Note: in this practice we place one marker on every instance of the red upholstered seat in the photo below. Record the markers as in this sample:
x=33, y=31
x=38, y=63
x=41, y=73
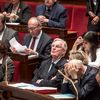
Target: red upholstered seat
x=69, y=12
x=16, y=77
x=79, y=19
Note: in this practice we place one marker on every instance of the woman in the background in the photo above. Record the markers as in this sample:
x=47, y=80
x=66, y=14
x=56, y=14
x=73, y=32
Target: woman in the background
x=89, y=43
x=17, y=11
x=4, y=59
x=93, y=11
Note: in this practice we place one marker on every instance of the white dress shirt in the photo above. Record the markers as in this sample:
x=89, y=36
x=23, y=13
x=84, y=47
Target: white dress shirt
x=95, y=63
x=2, y=33
x=36, y=41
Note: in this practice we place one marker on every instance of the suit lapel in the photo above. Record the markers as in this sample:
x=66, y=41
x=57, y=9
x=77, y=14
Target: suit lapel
x=52, y=11
x=40, y=43
x=5, y=36
x=86, y=76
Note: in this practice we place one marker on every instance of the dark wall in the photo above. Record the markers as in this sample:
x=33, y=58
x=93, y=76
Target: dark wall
x=81, y=2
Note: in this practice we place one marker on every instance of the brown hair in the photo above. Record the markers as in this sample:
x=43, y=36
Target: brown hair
x=79, y=55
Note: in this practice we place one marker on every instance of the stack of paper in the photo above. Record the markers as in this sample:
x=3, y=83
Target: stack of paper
x=63, y=96
x=18, y=47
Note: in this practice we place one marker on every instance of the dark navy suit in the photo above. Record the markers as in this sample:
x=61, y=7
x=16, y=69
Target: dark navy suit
x=58, y=15
x=90, y=7
x=44, y=45
x=42, y=73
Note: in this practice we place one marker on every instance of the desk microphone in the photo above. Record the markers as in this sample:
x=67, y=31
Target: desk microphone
x=5, y=82
x=67, y=78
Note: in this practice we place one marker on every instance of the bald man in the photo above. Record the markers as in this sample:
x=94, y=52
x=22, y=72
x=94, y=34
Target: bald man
x=36, y=41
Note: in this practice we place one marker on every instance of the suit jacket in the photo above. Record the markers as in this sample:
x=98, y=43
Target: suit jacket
x=42, y=73
x=8, y=34
x=24, y=12
x=10, y=69
x=90, y=7
x=58, y=15
x=87, y=86
x=44, y=46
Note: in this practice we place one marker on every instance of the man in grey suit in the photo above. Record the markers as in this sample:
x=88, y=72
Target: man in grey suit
x=6, y=33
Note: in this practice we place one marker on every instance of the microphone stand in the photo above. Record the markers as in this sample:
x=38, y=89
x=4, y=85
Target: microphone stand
x=5, y=82
x=67, y=78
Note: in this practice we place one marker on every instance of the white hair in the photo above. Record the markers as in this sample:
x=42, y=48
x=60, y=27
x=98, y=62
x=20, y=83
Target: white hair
x=64, y=44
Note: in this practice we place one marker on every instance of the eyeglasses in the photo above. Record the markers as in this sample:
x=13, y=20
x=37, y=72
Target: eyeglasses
x=32, y=28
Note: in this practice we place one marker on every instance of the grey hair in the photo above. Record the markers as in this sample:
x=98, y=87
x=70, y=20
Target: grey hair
x=64, y=44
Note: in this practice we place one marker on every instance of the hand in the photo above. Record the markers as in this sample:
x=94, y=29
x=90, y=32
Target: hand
x=72, y=70
x=98, y=78
x=41, y=18
x=30, y=51
x=13, y=49
x=38, y=81
x=77, y=43
x=91, y=14
x=95, y=20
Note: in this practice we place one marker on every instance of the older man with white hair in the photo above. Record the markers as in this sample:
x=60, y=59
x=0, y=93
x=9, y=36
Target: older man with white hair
x=47, y=72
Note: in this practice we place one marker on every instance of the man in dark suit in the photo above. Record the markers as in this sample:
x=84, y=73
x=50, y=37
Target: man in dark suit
x=6, y=33
x=37, y=42
x=52, y=14
x=93, y=11
x=47, y=73
x=17, y=11
x=83, y=77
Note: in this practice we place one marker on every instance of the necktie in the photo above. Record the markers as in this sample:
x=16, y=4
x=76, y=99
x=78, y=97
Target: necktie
x=52, y=65
x=33, y=43
x=47, y=13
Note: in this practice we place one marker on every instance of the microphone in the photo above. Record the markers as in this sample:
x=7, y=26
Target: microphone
x=5, y=82
x=67, y=78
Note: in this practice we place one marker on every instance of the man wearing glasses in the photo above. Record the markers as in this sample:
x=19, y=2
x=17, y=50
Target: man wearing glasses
x=36, y=41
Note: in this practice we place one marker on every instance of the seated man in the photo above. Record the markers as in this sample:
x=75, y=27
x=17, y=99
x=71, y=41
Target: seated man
x=83, y=77
x=52, y=14
x=6, y=33
x=46, y=75
x=4, y=59
x=37, y=41
x=17, y=11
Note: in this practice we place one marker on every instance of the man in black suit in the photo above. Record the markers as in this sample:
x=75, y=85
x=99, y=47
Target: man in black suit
x=93, y=11
x=52, y=14
x=17, y=11
x=47, y=73
x=6, y=33
x=83, y=77
x=37, y=42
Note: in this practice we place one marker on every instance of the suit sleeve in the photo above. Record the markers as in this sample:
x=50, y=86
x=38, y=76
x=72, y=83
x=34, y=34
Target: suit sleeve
x=87, y=88
x=46, y=51
x=53, y=83
x=62, y=20
x=26, y=14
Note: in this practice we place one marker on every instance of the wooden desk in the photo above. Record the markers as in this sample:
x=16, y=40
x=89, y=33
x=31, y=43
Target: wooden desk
x=49, y=30
x=68, y=36
x=27, y=66
x=12, y=93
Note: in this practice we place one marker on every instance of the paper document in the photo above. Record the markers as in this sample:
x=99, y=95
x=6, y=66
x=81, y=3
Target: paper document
x=31, y=87
x=12, y=23
x=19, y=48
x=62, y=96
